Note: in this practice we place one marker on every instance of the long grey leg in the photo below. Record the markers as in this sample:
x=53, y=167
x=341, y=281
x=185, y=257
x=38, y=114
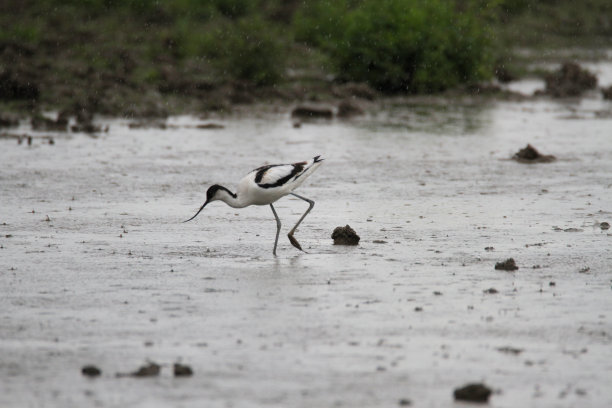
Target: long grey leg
x=290, y=235
x=278, y=227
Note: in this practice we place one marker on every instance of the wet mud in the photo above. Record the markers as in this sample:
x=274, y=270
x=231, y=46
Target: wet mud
x=97, y=268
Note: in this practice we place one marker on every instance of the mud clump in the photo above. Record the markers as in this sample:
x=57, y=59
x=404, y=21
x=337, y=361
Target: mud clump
x=149, y=370
x=569, y=80
x=473, y=393
x=312, y=112
x=345, y=236
x=507, y=265
x=91, y=371
x=181, y=370
x=530, y=154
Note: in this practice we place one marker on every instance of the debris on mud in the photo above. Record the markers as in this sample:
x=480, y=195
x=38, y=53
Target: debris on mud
x=182, y=370
x=604, y=225
x=586, y=269
x=345, y=236
x=491, y=291
x=489, y=249
x=347, y=109
x=149, y=124
x=510, y=350
x=312, y=112
x=473, y=392
x=571, y=229
x=507, y=265
x=379, y=241
x=530, y=154
x=149, y=370
x=210, y=126
x=91, y=371
x=405, y=402
x=569, y=80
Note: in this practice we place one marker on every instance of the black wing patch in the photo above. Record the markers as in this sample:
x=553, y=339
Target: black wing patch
x=297, y=169
x=262, y=170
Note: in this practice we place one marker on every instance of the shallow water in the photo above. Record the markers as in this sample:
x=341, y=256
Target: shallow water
x=113, y=278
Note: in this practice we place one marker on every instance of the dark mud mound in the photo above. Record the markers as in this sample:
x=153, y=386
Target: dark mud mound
x=530, y=154
x=473, y=393
x=345, y=236
x=507, y=265
x=570, y=80
x=149, y=370
x=348, y=108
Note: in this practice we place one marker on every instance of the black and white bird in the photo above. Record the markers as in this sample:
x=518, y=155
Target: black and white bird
x=265, y=185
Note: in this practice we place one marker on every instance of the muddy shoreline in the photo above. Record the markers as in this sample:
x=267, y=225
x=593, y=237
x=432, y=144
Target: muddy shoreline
x=96, y=268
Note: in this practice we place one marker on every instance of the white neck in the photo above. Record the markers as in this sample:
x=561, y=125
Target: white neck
x=234, y=202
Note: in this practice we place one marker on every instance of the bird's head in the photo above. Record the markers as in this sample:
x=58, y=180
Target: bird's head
x=214, y=193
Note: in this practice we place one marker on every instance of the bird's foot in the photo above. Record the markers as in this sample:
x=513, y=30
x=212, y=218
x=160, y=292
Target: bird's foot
x=295, y=243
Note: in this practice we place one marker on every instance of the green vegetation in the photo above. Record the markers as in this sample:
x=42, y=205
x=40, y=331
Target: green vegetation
x=111, y=53
x=416, y=46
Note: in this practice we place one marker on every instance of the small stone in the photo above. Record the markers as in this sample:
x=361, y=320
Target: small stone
x=604, y=225
x=181, y=370
x=491, y=291
x=91, y=371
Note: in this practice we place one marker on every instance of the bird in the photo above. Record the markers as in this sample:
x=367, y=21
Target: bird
x=265, y=185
